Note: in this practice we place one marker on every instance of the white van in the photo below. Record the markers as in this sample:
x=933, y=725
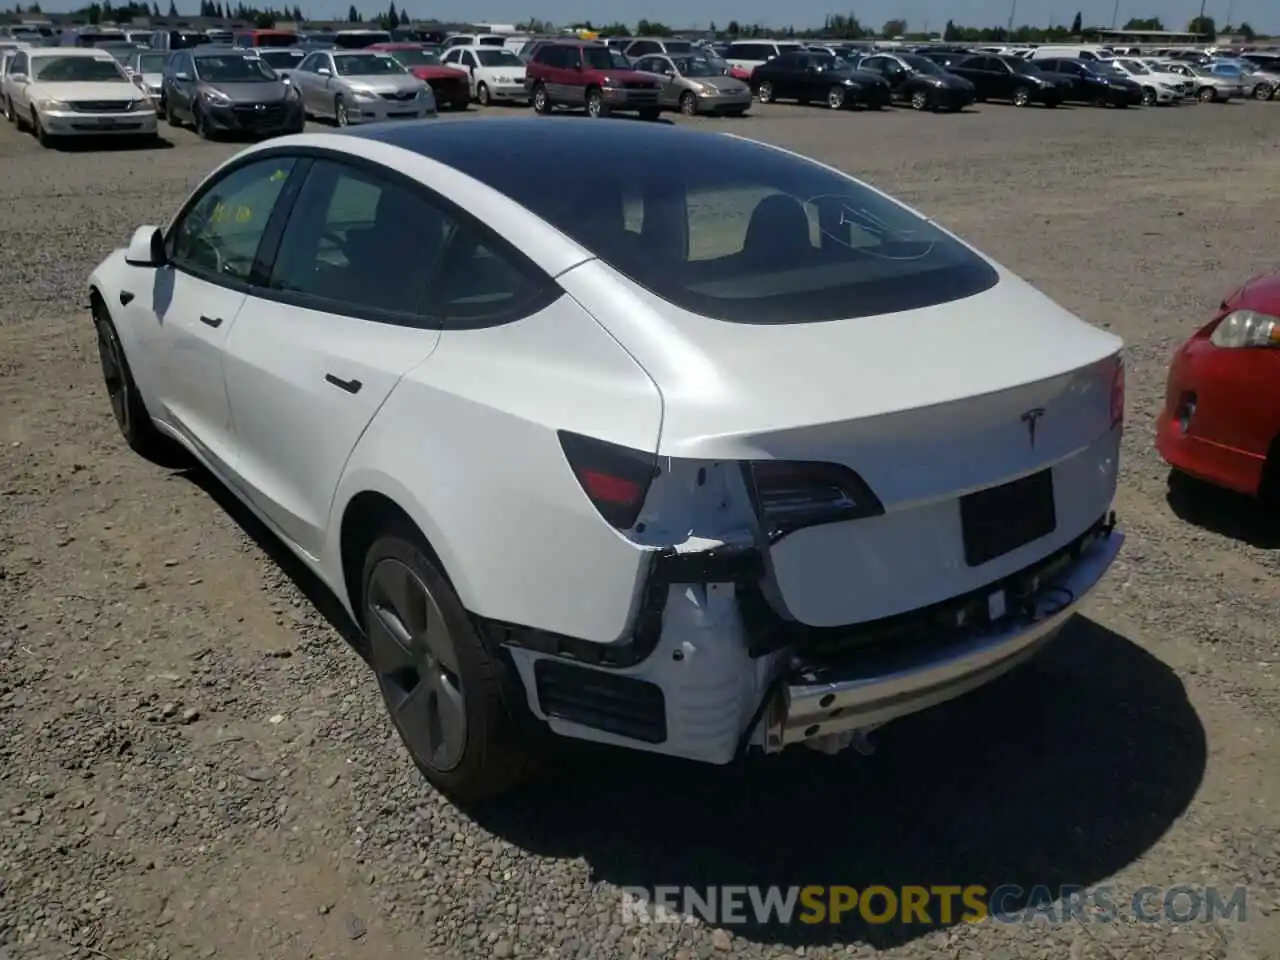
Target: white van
x=1079, y=51
x=749, y=54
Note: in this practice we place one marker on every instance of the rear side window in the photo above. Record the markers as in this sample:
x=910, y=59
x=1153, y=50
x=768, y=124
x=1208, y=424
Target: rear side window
x=739, y=231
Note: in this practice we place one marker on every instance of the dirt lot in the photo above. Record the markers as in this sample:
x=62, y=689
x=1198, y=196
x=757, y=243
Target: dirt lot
x=194, y=764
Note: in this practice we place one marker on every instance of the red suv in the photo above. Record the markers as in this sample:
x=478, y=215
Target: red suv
x=586, y=74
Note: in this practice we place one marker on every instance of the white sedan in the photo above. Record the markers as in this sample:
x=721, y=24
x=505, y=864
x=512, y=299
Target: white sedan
x=65, y=92
x=742, y=454
x=496, y=75
x=1158, y=87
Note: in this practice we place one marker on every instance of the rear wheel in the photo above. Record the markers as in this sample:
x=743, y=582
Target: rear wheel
x=919, y=100
x=764, y=92
x=450, y=696
x=1148, y=96
x=340, y=114
x=835, y=98
x=1208, y=94
x=1262, y=91
x=1021, y=97
x=482, y=94
x=541, y=99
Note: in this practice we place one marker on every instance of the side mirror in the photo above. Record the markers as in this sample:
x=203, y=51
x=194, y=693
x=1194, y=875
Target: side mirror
x=146, y=248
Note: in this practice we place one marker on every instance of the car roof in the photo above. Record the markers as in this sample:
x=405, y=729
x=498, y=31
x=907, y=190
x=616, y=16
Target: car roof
x=90, y=52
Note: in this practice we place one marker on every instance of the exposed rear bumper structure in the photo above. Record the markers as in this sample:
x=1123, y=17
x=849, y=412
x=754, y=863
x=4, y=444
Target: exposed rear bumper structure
x=868, y=688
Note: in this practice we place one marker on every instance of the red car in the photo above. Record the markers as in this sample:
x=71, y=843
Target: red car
x=452, y=88
x=1221, y=417
x=739, y=73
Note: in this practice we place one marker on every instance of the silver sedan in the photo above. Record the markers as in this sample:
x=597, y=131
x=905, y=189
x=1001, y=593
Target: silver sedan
x=360, y=86
x=693, y=86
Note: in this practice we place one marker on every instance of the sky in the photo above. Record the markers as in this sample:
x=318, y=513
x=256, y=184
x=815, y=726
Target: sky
x=921, y=15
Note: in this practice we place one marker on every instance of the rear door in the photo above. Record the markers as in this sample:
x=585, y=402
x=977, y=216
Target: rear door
x=315, y=354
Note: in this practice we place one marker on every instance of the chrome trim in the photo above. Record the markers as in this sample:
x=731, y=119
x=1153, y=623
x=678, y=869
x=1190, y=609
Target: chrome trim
x=808, y=707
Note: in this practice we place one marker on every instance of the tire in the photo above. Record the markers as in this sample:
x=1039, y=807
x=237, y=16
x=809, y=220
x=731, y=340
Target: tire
x=1262, y=91
x=340, y=115
x=482, y=94
x=541, y=100
x=836, y=98
x=452, y=698
x=1207, y=95
x=8, y=110
x=127, y=406
x=919, y=100
x=764, y=92
x=688, y=104
x=596, y=107
x=1022, y=97
x=171, y=117
x=42, y=135
x=1148, y=96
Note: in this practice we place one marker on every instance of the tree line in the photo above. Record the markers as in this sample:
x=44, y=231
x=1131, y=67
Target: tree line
x=838, y=26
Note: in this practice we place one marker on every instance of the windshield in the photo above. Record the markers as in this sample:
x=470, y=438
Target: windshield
x=695, y=67
x=275, y=40
x=733, y=230
x=122, y=52
x=282, y=59
x=1228, y=68
x=76, y=70
x=1133, y=66
x=923, y=64
x=598, y=58
x=233, y=69
x=152, y=62
x=416, y=58
x=498, y=58
x=366, y=65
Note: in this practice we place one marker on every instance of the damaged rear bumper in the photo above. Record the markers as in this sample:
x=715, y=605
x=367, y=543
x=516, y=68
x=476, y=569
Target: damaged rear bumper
x=868, y=688
x=710, y=670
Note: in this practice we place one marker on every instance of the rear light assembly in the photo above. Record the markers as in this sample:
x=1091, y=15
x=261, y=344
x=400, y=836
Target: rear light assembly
x=1117, y=393
x=616, y=479
x=792, y=495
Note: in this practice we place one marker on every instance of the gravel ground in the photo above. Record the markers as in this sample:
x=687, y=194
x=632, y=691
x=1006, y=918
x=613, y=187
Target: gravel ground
x=194, y=764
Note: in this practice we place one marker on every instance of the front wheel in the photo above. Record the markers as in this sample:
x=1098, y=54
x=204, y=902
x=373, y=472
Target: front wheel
x=541, y=100
x=8, y=110
x=688, y=104
x=1148, y=96
x=595, y=104
x=919, y=100
x=1262, y=91
x=127, y=406
x=450, y=695
x=835, y=98
x=1208, y=95
x=341, y=116
x=201, y=124
x=1021, y=97
x=482, y=94
x=42, y=135
x=764, y=92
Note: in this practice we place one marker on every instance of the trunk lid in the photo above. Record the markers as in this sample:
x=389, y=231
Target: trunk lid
x=925, y=406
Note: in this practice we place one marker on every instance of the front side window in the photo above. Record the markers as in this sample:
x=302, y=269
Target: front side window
x=77, y=70
x=281, y=59
x=234, y=68
x=598, y=58
x=367, y=65
x=218, y=236
x=736, y=230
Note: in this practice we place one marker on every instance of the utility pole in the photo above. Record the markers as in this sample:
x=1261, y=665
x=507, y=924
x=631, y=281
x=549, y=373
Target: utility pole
x=1115, y=14
x=1013, y=8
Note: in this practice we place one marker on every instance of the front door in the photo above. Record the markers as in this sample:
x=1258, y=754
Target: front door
x=196, y=299
x=310, y=361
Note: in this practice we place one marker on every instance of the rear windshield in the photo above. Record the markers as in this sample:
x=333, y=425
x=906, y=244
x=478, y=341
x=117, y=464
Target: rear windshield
x=732, y=229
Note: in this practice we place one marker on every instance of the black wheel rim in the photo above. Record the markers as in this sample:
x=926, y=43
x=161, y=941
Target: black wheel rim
x=113, y=374
x=416, y=663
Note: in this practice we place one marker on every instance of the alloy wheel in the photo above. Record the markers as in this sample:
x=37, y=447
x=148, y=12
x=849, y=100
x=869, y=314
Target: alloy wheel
x=1262, y=92
x=688, y=104
x=595, y=104
x=112, y=362
x=1021, y=97
x=340, y=115
x=835, y=98
x=919, y=100
x=765, y=92
x=416, y=663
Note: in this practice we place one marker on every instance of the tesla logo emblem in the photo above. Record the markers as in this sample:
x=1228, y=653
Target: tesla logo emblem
x=1031, y=418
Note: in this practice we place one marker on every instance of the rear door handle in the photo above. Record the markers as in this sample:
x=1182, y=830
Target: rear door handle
x=351, y=386
x=211, y=321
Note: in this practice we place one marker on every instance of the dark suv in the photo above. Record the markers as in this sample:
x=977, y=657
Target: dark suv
x=585, y=74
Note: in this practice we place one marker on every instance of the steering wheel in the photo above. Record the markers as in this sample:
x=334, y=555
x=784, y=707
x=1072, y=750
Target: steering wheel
x=202, y=246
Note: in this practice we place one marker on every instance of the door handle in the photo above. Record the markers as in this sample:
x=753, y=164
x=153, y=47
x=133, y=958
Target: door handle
x=351, y=386
x=211, y=321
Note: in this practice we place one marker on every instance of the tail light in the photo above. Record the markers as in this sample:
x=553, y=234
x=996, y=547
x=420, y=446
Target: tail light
x=615, y=479
x=1117, y=394
x=792, y=495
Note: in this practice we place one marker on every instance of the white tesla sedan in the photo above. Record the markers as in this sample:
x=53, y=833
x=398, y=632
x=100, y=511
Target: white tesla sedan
x=743, y=453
